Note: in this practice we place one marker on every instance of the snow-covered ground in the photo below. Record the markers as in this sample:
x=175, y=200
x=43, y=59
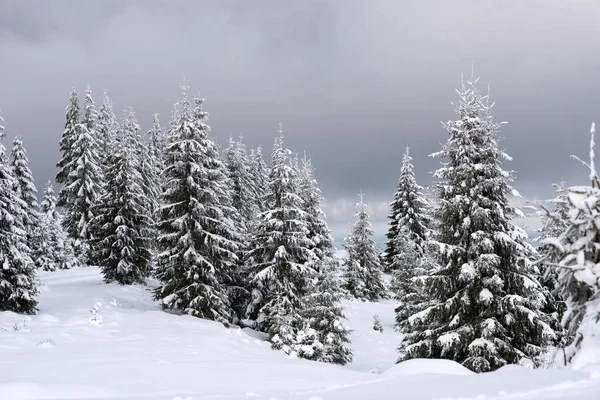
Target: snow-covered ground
x=136, y=351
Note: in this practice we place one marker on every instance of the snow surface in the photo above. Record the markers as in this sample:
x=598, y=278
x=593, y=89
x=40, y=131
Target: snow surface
x=131, y=349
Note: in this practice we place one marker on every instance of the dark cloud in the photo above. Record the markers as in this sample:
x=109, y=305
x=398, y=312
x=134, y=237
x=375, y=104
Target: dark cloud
x=352, y=81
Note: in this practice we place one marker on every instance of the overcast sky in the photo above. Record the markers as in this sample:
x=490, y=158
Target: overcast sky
x=353, y=82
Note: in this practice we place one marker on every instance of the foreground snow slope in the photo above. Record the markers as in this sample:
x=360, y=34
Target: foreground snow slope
x=141, y=352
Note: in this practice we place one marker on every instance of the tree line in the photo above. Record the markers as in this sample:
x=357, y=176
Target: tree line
x=234, y=240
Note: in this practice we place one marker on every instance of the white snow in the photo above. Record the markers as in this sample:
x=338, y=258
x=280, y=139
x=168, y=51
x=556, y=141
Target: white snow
x=140, y=352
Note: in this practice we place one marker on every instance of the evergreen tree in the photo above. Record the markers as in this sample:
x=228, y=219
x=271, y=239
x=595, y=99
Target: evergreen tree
x=409, y=212
x=68, y=137
x=362, y=270
x=412, y=265
x=25, y=189
x=122, y=225
x=156, y=160
x=17, y=274
x=80, y=174
x=324, y=315
x=574, y=258
x=486, y=303
x=281, y=260
x=107, y=128
x=197, y=240
x=318, y=231
x=260, y=173
x=242, y=182
x=54, y=250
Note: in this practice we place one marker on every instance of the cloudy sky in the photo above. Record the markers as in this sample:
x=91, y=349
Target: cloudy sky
x=353, y=82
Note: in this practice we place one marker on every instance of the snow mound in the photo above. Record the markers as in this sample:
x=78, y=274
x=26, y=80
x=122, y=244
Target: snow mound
x=426, y=366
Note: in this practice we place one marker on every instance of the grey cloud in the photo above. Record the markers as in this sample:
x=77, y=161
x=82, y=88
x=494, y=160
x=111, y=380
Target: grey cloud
x=352, y=81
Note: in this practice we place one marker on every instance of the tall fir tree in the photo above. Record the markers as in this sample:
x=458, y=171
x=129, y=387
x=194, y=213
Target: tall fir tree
x=408, y=212
x=54, y=250
x=573, y=258
x=280, y=260
x=106, y=130
x=318, y=231
x=362, y=270
x=68, y=137
x=156, y=145
x=242, y=182
x=324, y=315
x=486, y=311
x=197, y=240
x=80, y=173
x=122, y=225
x=25, y=189
x=260, y=173
x=18, y=288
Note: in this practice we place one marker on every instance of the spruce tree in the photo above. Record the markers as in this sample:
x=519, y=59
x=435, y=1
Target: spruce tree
x=156, y=145
x=281, y=260
x=486, y=302
x=25, y=189
x=260, y=173
x=242, y=181
x=362, y=270
x=197, y=240
x=574, y=258
x=54, y=250
x=122, y=224
x=80, y=174
x=18, y=289
x=106, y=130
x=324, y=315
x=409, y=212
x=318, y=231
x=68, y=137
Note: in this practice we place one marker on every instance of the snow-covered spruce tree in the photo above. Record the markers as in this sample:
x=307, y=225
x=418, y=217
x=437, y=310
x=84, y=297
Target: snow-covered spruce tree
x=260, y=173
x=486, y=304
x=80, y=173
x=413, y=264
x=243, y=193
x=280, y=259
x=323, y=320
x=409, y=213
x=156, y=145
x=17, y=274
x=54, y=250
x=318, y=231
x=122, y=234
x=25, y=189
x=106, y=130
x=575, y=258
x=68, y=137
x=197, y=241
x=362, y=269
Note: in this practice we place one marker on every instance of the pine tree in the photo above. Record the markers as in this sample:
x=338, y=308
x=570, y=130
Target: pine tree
x=281, y=261
x=573, y=256
x=54, y=250
x=325, y=337
x=17, y=274
x=240, y=175
x=363, y=273
x=197, y=240
x=409, y=212
x=486, y=303
x=122, y=225
x=25, y=189
x=318, y=231
x=80, y=174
